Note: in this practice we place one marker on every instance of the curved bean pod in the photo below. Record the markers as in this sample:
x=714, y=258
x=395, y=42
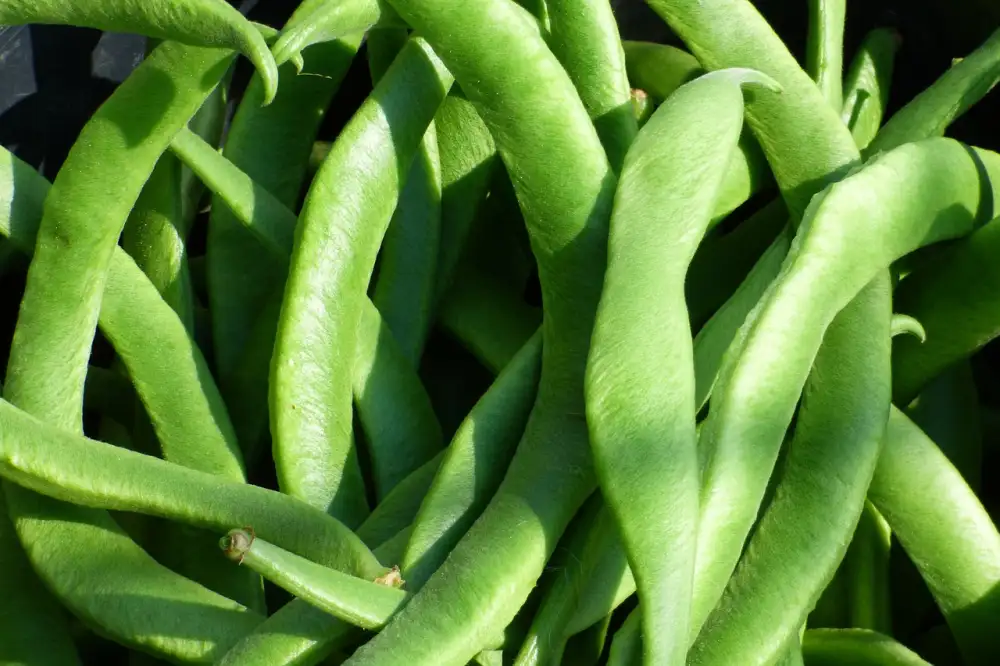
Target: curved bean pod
x=566, y=199
x=932, y=111
x=340, y=229
x=866, y=86
x=859, y=647
x=316, y=21
x=825, y=48
x=211, y=23
x=270, y=144
x=944, y=530
x=404, y=288
x=357, y=601
x=815, y=475
x=955, y=297
x=396, y=413
x=645, y=450
x=904, y=224
x=105, y=476
x=584, y=36
x=197, y=71
x=485, y=441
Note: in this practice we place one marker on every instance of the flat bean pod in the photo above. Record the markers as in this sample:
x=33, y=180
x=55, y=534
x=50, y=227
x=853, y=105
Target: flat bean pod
x=626, y=648
x=944, y=530
x=331, y=265
x=645, y=449
x=399, y=508
x=833, y=647
x=211, y=23
x=565, y=198
x=105, y=476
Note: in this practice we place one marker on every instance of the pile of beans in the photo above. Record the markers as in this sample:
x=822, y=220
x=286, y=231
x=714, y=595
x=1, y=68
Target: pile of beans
x=715, y=306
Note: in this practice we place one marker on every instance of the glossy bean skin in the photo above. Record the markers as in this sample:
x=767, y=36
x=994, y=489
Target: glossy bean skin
x=316, y=21
x=404, y=287
x=208, y=23
x=825, y=48
x=401, y=428
x=331, y=264
x=31, y=458
x=645, y=447
x=489, y=46
x=584, y=36
x=830, y=647
x=362, y=603
x=269, y=144
x=731, y=33
x=944, y=530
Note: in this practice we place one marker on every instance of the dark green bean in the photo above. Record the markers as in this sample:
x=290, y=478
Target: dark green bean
x=866, y=87
x=399, y=508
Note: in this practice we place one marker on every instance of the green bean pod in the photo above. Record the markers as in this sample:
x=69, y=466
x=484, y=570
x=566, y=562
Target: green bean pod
x=866, y=565
x=564, y=185
x=645, y=450
x=316, y=21
x=584, y=36
x=394, y=409
x=209, y=23
x=33, y=628
x=943, y=169
x=270, y=144
x=866, y=86
x=332, y=262
x=196, y=71
x=468, y=160
x=359, y=602
x=944, y=530
x=955, y=298
x=825, y=48
x=404, y=287
x=834, y=647
x=473, y=465
x=34, y=456
x=932, y=111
